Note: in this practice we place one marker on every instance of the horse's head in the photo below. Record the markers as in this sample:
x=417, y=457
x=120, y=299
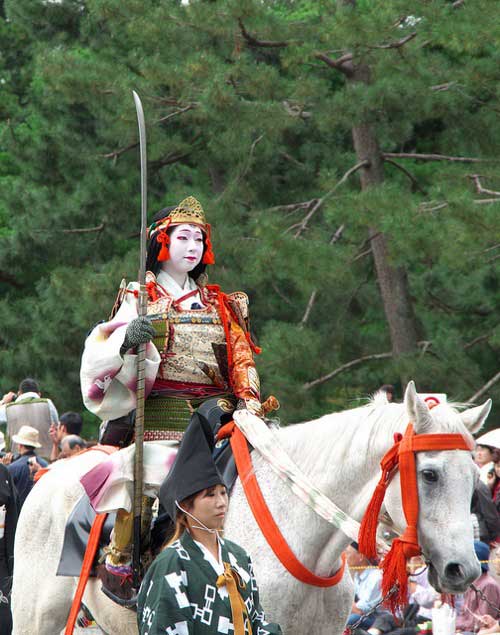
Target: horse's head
x=445, y=482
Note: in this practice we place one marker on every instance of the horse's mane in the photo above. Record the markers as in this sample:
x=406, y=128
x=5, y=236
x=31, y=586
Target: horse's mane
x=368, y=428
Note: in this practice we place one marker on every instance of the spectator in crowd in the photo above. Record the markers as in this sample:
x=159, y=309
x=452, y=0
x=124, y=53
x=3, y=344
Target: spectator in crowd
x=71, y=444
x=490, y=625
x=23, y=468
x=367, y=587
x=389, y=391
x=494, y=478
x=486, y=516
x=483, y=454
x=471, y=617
x=29, y=408
x=69, y=423
x=8, y=521
x=420, y=602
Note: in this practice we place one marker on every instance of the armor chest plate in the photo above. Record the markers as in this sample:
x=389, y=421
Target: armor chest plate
x=185, y=341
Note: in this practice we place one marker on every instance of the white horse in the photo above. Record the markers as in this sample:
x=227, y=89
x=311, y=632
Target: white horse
x=341, y=454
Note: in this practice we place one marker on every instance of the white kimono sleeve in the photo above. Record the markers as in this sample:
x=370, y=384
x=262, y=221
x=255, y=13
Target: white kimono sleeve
x=108, y=380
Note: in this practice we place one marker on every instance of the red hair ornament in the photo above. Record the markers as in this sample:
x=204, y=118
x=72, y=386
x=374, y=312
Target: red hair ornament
x=164, y=239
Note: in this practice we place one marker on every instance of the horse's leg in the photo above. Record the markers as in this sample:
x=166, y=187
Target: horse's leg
x=110, y=617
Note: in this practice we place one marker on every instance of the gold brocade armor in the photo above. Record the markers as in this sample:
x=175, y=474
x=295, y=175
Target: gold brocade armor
x=186, y=341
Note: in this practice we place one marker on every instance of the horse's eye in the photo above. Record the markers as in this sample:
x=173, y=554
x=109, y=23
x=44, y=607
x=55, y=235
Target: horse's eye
x=429, y=476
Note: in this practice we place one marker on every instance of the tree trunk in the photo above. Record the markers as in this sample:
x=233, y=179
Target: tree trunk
x=393, y=281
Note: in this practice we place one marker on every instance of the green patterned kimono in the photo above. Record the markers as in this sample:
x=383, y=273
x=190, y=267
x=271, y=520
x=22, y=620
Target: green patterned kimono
x=179, y=594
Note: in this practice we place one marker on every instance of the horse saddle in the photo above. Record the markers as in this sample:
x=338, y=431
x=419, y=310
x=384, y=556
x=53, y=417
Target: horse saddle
x=76, y=537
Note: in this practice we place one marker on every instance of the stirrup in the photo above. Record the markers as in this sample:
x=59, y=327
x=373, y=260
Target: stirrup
x=128, y=604
x=112, y=584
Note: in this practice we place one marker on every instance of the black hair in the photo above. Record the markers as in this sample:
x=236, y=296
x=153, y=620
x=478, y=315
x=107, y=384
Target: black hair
x=153, y=249
x=28, y=385
x=74, y=440
x=72, y=421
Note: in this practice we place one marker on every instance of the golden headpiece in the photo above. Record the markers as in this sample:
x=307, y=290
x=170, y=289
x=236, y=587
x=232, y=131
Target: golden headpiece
x=188, y=211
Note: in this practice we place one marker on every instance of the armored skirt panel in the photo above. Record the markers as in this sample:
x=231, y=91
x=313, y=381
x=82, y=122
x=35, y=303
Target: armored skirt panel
x=192, y=347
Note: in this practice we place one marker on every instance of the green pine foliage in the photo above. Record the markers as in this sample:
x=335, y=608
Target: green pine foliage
x=258, y=133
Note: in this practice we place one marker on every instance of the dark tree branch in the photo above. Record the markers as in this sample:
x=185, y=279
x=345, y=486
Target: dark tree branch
x=337, y=235
x=479, y=188
x=416, y=185
x=83, y=230
x=288, y=157
x=302, y=226
x=292, y=207
x=253, y=41
x=344, y=64
x=281, y=294
x=176, y=113
x=341, y=369
x=486, y=201
x=395, y=45
x=116, y=153
x=355, y=362
x=432, y=206
x=169, y=159
x=78, y=230
x=309, y=307
x=443, y=87
x=484, y=388
x=477, y=340
x=434, y=157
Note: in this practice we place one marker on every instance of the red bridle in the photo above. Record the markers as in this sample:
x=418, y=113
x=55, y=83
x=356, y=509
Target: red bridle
x=402, y=455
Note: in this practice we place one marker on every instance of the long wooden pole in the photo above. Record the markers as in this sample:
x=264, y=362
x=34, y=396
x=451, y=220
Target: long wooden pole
x=141, y=357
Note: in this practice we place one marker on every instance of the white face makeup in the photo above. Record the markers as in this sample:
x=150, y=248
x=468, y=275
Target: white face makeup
x=186, y=250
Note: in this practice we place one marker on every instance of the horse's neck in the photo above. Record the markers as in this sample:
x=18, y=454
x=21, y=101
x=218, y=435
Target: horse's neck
x=341, y=452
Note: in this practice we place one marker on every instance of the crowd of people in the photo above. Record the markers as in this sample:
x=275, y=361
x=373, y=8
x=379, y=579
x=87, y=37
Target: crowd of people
x=32, y=435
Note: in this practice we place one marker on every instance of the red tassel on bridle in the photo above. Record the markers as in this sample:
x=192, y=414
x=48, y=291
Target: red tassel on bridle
x=401, y=454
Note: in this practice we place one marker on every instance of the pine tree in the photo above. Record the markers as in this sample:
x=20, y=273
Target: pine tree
x=325, y=140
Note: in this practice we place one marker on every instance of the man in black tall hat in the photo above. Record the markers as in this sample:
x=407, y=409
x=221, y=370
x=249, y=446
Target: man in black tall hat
x=200, y=584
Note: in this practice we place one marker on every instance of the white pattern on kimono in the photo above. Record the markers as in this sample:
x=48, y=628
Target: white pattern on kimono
x=205, y=613
x=174, y=581
x=180, y=628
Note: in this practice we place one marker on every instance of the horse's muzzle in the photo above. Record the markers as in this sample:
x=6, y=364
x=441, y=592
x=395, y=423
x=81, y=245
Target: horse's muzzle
x=455, y=576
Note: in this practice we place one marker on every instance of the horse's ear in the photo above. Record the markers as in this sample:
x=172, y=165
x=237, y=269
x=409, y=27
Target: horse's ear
x=473, y=418
x=418, y=412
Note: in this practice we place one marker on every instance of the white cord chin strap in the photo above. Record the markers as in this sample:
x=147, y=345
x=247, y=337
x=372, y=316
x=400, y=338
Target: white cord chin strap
x=201, y=525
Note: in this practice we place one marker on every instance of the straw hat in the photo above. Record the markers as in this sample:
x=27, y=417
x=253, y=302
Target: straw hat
x=27, y=436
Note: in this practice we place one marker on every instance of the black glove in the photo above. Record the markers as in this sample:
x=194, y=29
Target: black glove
x=139, y=331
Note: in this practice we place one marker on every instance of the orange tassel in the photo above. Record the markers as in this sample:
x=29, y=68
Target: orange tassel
x=394, y=572
x=208, y=256
x=394, y=568
x=164, y=239
x=256, y=349
x=368, y=530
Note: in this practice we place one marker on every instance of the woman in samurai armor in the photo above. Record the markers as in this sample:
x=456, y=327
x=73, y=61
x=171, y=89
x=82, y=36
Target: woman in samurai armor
x=198, y=347
x=200, y=584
